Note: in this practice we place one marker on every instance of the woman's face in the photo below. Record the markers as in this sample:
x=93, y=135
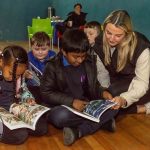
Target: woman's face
x=91, y=34
x=114, y=35
x=8, y=71
x=77, y=9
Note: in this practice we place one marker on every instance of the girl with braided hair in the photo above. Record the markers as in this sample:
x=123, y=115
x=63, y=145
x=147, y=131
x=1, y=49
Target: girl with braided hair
x=13, y=63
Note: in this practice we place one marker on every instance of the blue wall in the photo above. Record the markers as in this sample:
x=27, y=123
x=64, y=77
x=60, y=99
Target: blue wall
x=139, y=10
x=15, y=15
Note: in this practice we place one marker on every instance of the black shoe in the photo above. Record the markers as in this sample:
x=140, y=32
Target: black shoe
x=70, y=135
x=110, y=125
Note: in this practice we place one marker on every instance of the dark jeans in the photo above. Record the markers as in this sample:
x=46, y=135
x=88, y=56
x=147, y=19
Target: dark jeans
x=41, y=127
x=35, y=90
x=19, y=136
x=121, y=86
x=61, y=117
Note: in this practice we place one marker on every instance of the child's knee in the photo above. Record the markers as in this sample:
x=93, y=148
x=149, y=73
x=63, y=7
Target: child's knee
x=58, y=118
x=15, y=137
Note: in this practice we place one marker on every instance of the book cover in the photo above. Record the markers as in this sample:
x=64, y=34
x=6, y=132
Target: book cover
x=94, y=109
x=36, y=74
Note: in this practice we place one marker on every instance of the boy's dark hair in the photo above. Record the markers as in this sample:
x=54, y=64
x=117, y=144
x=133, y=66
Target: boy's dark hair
x=94, y=24
x=17, y=55
x=40, y=38
x=75, y=40
x=78, y=4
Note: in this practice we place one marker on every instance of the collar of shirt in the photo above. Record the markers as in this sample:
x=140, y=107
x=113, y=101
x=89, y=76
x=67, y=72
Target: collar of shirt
x=65, y=62
x=112, y=50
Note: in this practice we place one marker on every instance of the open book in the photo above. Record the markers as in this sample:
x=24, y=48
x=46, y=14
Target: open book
x=94, y=109
x=22, y=115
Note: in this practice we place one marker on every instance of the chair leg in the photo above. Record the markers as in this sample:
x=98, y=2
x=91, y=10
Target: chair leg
x=52, y=44
x=29, y=45
x=58, y=44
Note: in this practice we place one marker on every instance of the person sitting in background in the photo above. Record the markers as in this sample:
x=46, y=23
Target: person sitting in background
x=93, y=31
x=75, y=19
x=38, y=56
x=70, y=79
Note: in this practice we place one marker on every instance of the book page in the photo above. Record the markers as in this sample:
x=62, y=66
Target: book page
x=29, y=114
x=81, y=114
x=11, y=121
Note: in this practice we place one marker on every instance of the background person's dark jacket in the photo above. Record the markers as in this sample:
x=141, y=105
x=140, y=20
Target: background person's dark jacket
x=77, y=20
x=53, y=83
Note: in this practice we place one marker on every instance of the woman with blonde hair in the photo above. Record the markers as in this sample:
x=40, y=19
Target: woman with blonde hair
x=126, y=55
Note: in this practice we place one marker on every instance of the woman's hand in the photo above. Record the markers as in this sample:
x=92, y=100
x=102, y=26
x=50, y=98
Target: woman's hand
x=79, y=104
x=120, y=102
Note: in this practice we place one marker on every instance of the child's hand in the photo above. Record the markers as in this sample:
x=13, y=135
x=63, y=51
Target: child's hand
x=79, y=104
x=28, y=74
x=107, y=95
x=31, y=101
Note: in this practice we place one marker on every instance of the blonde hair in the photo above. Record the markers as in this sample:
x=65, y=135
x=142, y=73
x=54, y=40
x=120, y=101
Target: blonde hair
x=122, y=20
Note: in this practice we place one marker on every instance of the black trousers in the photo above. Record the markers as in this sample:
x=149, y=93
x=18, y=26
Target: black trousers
x=35, y=90
x=19, y=136
x=61, y=117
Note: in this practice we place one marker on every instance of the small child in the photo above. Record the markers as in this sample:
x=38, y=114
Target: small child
x=38, y=56
x=70, y=79
x=93, y=31
x=13, y=63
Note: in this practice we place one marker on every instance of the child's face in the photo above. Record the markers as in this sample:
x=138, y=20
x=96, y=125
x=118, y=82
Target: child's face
x=75, y=59
x=91, y=34
x=40, y=52
x=8, y=71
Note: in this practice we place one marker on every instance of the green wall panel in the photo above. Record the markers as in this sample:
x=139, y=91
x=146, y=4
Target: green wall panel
x=15, y=15
x=139, y=10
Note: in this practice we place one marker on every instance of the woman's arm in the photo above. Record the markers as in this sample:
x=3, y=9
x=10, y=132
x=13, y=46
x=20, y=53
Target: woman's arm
x=102, y=74
x=140, y=83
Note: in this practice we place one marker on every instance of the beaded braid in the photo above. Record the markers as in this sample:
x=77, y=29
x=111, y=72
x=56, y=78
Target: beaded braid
x=19, y=55
x=16, y=100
